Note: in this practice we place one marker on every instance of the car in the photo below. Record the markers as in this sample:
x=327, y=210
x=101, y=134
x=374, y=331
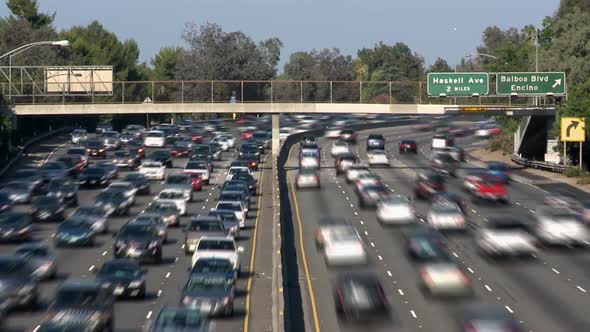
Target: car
x=153, y=170
x=34, y=177
x=471, y=176
x=111, y=170
x=125, y=159
x=211, y=294
x=216, y=151
x=377, y=158
x=560, y=226
x=339, y=148
x=307, y=178
x=395, y=209
x=345, y=161
x=370, y=194
x=440, y=274
x=359, y=296
x=456, y=152
x=309, y=160
x=180, y=149
x=220, y=267
x=96, y=148
x=238, y=185
x=101, y=128
x=428, y=184
x=113, y=202
x=348, y=135
x=179, y=319
x=17, y=279
x=40, y=258
x=63, y=189
x=484, y=318
x=224, y=142
x=327, y=225
x=353, y=172
x=95, y=216
x=489, y=188
x=126, y=137
x=487, y=131
x=308, y=140
x=74, y=165
x=181, y=181
x=80, y=152
x=152, y=219
x=232, y=196
x=423, y=127
x=136, y=130
x=198, y=167
x=263, y=139
x=127, y=188
x=78, y=136
x=16, y=226
x=375, y=142
x=251, y=159
x=499, y=169
x=343, y=246
x=137, y=147
x=442, y=140
x=218, y=247
x=19, y=191
x=444, y=163
x=451, y=197
x=6, y=204
x=47, y=208
x=249, y=148
x=203, y=149
x=175, y=196
x=201, y=226
x=238, y=207
x=139, y=181
x=54, y=169
x=446, y=216
x=124, y=276
x=248, y=179
x=333, y=132
x=155, y=138
x=168, y=211
x=162, y=156
x=506, y=236
x=236, y=169
x=112, y=143
x=75, y=231
x=423, y=242
x=83, y=301
x=139, y=241
x=229, y=220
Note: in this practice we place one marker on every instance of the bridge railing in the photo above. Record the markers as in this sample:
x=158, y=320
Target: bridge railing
x=276, y=91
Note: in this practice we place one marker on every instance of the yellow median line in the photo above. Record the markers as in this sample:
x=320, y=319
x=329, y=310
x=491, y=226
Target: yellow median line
x=303, y=256
x=253, y=253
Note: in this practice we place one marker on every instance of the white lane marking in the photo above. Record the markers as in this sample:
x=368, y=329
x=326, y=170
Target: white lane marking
x=372, y=244
x=207, y=200
x=488, y=288
x=413, y=314
x=380, y=258
x=52, y=152
x=389, y=273
x=580, y=288
x=517, y=203
x=366, y=233
x=149, y=314
x=182, y=246
x=455, y=254
x=509, y=309
x=159, y=292
x=473, y=211
x=91, y=268
x=533, y=212
x=351, y=205
x=167, y=275
x=347, y=198
x=400, y=291
x=37, y=328
x=104, y=253
x=362, y=222
x=554, y=270
x=471, y=270
x=356, y=213
x=344, y=192
x=203, y=207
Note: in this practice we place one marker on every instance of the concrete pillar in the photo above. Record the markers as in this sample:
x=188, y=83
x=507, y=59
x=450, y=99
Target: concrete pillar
x=276, y=140
x=277, y=325
x=520, y=132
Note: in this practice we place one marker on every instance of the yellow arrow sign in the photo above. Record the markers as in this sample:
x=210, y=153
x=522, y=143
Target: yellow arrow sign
x=573, y=130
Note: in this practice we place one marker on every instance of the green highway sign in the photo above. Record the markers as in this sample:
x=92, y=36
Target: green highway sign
x=458, y=84
x=527, y=84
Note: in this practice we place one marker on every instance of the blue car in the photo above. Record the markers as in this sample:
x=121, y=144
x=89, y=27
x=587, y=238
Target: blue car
x=501, y=170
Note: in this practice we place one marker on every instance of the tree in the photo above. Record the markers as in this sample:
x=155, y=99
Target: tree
x=164, y=64
x=440, y=66
x=29, y=11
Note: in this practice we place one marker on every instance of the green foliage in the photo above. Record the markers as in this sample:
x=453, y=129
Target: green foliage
x=503, y=142
x=164, y=64
x=440, y=66
x=585, y=180
x=29, y=11
x=574, y=172
x=392, y=63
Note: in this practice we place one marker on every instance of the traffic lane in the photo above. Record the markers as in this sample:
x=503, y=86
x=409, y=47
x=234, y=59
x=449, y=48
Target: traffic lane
x=507, y=278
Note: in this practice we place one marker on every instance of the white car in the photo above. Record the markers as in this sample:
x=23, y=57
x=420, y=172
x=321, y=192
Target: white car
x=222, y=141
x=198, y=167
x=353, y=172
x=339, y=148
x=155, y=138
x=218, y=247
x=307, y=178
x=236, y=169
x=153, y=170
x=79, y=135
x=395, y=209
x=309, y=159
x=366, y=179
x=445, y=278
x=446, y=216
x=377, y=157
x=238, y=208
x=560, y=226
x=505, y=236
x=173, y=195
x=344, y=246
x=332, y=132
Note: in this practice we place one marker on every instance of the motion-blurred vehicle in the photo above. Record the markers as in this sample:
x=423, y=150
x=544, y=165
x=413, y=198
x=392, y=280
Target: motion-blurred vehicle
x=500, y=169
x=17, y=279
x=230, y=222
x=354, y=171
x=218, y=247
x=220, y=267
x=136, y=130
x=483, y=318
x=137, y=146
x=175, y=196
x=96, y=148
x=248, y=179
x=74, y=165
x=423, y=242
x=79, y=136
x=75, y=231
x=47, y=208
x=182, y=182
x=236, y=185
x=239, y=209
x=456, y=152
x=127, y=188
x=211, y=294
x=198, y=167
x=113, y=202
x=308, y=140
x=488, y=187
x=95, y=216
x=168, y=211
x=360, y=297
x=345, y=161
x=155, y=138
x=6, y=204
x=216, y=151
x=369, y=195
x=339, y=148
x=162, y=156
x=446, y=197
x=139, y=241
x=34, y=177
x=234, y=170
x=444, y=163
x=40, y=258
x=506, y=236
x=139, y=181
x=487, y=130
x=19, y=191
x=200, y=226
x=428, y=184
x=440, y=275
x=377, y=158
x=109, y=167
x=375, y=142
x=225, y=143
x=83, y=301
x=54, y=169
x=307, y=178
x=252, y=160
x=343, y=246
x=446, y=216
x=181, y=319
x=231, y=196
x=309, y=160
x=408, y=145
x=126, y=160
x=442, y=140
x=101, y=128
x=16, y=226
x=79, y=151
x=65, y=190
x=112, y=143
x=181, y=149
x=395, y=209
x=560, y=226
x=348, y=135
x=124, y=276
x=153, y=170
x=423, y=127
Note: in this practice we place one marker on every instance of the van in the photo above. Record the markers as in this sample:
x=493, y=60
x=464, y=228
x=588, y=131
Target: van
x=440, y=141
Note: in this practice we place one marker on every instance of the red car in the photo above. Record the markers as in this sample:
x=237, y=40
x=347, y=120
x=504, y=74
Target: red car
x=179, y=151
x=197, y=182
x=489, y=187
x=246, y=135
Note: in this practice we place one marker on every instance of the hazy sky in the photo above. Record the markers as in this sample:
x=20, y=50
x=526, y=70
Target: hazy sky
x=432, y=28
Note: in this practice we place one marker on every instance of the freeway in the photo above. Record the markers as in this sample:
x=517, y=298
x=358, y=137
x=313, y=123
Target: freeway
x=545, y=293
x=165, y=281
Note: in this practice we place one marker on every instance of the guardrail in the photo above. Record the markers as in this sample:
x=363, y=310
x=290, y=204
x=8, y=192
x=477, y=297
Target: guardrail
x=551, y=167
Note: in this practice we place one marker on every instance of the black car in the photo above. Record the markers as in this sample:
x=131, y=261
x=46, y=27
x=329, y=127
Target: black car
x=248, y=179
x=428, y=184
x=211, y=293
x=204, y=150
x=47, y=208
x=101, y=128
x=237, y=185
x=137, y=146
x=6, y=203
x=371, y=194
x=17, y=279
x=230, y=222
x=96, y=148
x=249, y=148
x=74, y=165
x=32, y=176
x=124, y=276
x=138, y=241
x=54, y=169
x=162, y=156
x=201, y=226
x=425, y=243
x=375, y=142
x=360, y=296
x=239, y=163
x=84, y=301
x=113, y=202
x=252, y=160
x=16, y=226
x=94, y=177
x=126, y=159
x=490, y=317
x=75, y=231
x=139, y=182
x=109, y=167
x=263, y=139
x=66, y=190
x=172, y=319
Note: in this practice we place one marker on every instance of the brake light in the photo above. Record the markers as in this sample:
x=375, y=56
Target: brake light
x=465, y=278
x=426, y=276
x=316, y=178
x=468, y=327
x=140, y=150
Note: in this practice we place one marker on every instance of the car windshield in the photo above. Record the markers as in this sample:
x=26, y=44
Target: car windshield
x=446, y=208
x=135, y=177
x=79, y=132
x=508, y=225
x=176, y=179
x=229, y=206
x=122, y=154
x=95, y=171
x=25, y=174
x=212, y=266
x=171, y=195
x=13, y=218
x=182, y=320
x=230, y=197
x=155, y=134
x=90, y=211
x=237, y=170
x=196, y=284
x=79, y=297
x=94, y=144
x=119, y=270
x=108, y=196
x=161, y=154
x=196, y=165
x=151, y=165
x=137, y=231
x=161, y=207
x=203, y=225
x=14, y=267
x=216, y=245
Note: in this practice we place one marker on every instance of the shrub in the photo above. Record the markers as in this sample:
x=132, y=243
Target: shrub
x=574, y=172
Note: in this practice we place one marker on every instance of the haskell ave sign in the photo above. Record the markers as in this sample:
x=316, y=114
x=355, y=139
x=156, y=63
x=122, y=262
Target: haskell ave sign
x=530, y=83
x=458, y=84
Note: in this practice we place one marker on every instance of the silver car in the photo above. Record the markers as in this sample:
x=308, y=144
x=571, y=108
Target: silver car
x=41, y=259
x=560, y=226
x=506, y=236
x=446, y=216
